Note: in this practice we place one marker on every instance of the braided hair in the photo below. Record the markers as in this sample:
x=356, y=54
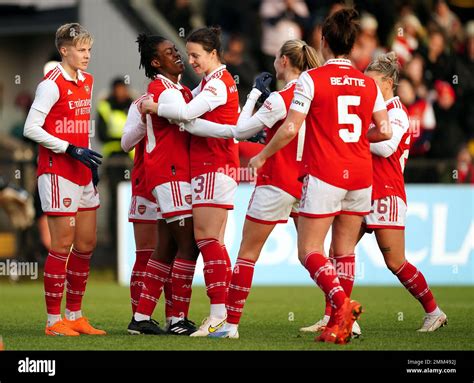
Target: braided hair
x=147, y=48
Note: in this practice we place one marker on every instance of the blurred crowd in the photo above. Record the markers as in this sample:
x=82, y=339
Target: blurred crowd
x=433, y=41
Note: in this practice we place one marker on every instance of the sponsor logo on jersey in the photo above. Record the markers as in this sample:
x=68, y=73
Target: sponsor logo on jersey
x=211, y=89
x=268, y=105
x=87, y=89
x=67, y=202
x=141, y=209
x=346, y=80
x=69, y=92
x=382, y=219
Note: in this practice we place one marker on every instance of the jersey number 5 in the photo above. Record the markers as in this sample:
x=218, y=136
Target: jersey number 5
x=344, y=117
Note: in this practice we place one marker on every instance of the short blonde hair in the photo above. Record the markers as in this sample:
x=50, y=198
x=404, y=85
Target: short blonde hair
x=72, y=34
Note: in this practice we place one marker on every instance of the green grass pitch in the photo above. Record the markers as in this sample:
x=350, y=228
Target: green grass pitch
x=271, y=320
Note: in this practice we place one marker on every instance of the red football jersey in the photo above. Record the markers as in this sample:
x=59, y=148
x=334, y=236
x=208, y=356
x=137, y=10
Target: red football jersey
x=167, y=146
x=282, y=169
x=341, y=103
x=213, y=154
x=388, y=172
x=69, y=120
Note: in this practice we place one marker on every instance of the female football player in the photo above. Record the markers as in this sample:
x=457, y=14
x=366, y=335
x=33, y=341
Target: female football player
x=167, y=169
x=388, y=212
x=338, y=103
x=214, y=163
x=67, y=178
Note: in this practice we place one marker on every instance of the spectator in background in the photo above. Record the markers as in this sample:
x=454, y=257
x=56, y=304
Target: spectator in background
x=177, y=12
x=464, y=167
x=445, y=19
x=282, y=20
x=438, y=63
x=240, y=65
x=366, y=43
x=414, y=70
x=408, y=33
x=448, y=135
x=421, y=115
x=111, y=117
x=465, y=87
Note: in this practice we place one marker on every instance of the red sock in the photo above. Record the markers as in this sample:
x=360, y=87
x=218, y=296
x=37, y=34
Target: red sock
x=215, y=269
x=77, y=269
x=323, y=273
x=54, y=278
x=138, y=275
x=328, y=308
x=229, y=267
x=182, y=276
x=168, y=290
x=345, y=269
x=239, y=289
x=156, y=275
x=415, y=283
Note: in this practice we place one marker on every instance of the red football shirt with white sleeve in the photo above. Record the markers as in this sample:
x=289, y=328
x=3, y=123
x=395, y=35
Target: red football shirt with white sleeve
x=67, y=104
x=388, y=171
x=213, y=154
x=281, y=169
x=167, y=146
x=339, y=101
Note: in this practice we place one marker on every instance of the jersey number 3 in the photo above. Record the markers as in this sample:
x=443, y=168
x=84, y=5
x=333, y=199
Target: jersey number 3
x=344, y=117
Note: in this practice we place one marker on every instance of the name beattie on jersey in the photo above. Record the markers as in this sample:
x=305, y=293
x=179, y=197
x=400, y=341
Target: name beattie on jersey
x=346, y=80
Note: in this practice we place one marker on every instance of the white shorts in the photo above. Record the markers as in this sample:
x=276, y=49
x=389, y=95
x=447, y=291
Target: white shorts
x=320, y=199
x=174, y=200
x=59, y=196
x=270, y=205
x=386, y=213
x=143, y=210
x=213, y=189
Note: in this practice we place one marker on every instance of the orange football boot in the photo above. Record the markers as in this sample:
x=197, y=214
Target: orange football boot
x=328, y=335
x=60, y=329
x=82, y=326
x=345, y=317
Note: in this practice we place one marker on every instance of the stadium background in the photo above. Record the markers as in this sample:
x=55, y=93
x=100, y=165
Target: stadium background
x=435, y=42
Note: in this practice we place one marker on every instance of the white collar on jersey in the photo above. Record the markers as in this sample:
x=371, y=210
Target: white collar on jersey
x=339, y=62
x=177, y=84
x=206, y=78
x=66, y=76
x=391, y=100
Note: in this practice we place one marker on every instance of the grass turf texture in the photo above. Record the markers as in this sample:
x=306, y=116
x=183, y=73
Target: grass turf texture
x=271, y=320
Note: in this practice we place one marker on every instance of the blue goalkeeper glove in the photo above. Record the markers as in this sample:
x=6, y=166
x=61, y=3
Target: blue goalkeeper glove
x=262, y=83
x=86, y=156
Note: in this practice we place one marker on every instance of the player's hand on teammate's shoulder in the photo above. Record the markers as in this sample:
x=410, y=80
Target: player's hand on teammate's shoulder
x=87, y=156
x=147, y=105
x=262, y=83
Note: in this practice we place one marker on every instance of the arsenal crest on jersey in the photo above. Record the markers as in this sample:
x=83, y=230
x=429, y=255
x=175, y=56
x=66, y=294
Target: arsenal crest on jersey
x=87, y=89
x=141, y=209
x=67, y=202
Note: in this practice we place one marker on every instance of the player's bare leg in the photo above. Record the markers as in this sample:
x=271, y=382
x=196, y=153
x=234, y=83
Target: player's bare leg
x=78, y=267
x=62, y=237
x=208, y=229
x=392, y=245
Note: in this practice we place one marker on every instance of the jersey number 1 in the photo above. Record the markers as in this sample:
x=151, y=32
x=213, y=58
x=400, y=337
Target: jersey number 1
x=344, y=117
